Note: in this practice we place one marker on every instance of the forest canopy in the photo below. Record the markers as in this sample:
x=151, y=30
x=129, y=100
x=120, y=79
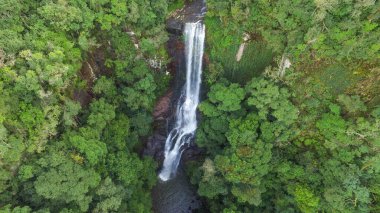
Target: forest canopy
x=72, y=86
x=306, y=140
x=78, y=89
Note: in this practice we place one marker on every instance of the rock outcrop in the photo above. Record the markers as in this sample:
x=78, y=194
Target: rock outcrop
x=162, y=108
x=192, y=12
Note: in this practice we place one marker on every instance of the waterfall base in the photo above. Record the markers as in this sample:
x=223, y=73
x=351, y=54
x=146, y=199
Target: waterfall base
x=175, y=195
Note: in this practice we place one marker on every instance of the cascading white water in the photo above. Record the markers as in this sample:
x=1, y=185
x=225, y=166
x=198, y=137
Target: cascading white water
x=186, y=121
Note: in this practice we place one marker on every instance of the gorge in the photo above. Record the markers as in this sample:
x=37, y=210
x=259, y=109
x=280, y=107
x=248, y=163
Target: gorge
x=186, y=121
x=177, y=124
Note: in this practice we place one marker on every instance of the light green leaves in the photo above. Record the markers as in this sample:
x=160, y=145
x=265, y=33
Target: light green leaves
x=94, y=150
x=101, y=113
x=305, y=199
x=227, y=98
x=111, y=196
x=61, y=16
x=71, y=109
x=333, y=127
x=352, y=104
x=269, y=99
x=65, y=181
x=140, y=92
x=243, y=132
x=105, y=87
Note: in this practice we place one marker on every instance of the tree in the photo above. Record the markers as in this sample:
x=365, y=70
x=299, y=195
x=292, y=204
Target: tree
x=228, y=98
x=101, y=114
x=305, y=199
x=94, y=150
x=70, y=111
x=141, y=87
x=52, y=150
x=110, y=196
x=61, y=179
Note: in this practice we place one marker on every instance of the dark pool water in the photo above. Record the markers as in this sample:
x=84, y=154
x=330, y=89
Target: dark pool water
x=175, y=196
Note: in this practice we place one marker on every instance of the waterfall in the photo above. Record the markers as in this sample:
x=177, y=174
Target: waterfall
x=186, y=121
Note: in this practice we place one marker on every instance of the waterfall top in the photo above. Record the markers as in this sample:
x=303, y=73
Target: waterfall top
x=191, y=13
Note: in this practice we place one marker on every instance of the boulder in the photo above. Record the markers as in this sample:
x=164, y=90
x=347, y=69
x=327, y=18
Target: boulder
x=162, y=107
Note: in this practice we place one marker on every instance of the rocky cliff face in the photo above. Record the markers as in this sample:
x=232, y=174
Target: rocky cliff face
x=164, y=110
x=193, y=11
x=176, y=195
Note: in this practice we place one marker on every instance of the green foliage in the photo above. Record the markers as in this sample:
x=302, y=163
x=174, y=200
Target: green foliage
x=336, y=78
x=117, y=132
x=70, y=111
x=269, y=98
x=224, y=44
x=111, y=196
x=212, y=132
x=332, y=127
x=25, y=172
x=93, y=150
x=66, y=181
x=239, y=131
x=105, y=87
x=134, y=173
x=141, y=89
x=305, y=199
x=9, y=209
x=286, y=153
x=140, y=123
x=58, y=135
x=344, y=31
x=210, y=186
x=310, y=146
x=175, y=5
x=307, y=144
x=352, y=104
x=256, y=57
x=227, y=98
x=101, y=114
x=61, y=16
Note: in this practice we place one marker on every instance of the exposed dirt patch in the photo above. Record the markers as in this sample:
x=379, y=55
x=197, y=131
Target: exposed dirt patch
x=369, y=87
x=91, y=69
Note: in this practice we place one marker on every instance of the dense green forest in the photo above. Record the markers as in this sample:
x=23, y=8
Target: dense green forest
x=70, y=133
x=307, y=141
x=77, y=93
